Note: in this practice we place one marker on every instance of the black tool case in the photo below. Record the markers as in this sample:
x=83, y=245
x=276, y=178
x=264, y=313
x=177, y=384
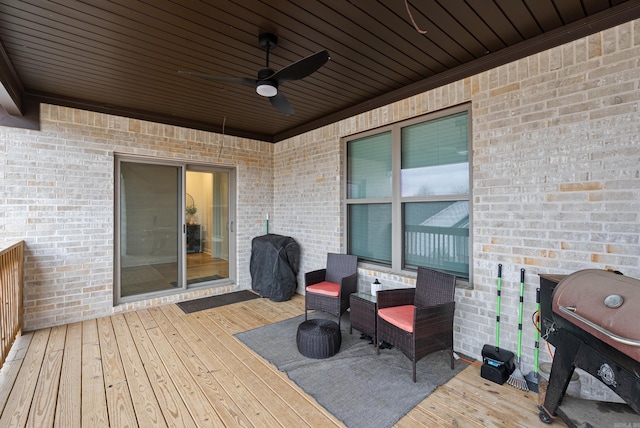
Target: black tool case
x=497, y=364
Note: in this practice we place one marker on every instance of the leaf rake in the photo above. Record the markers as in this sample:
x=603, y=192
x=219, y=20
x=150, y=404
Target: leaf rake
x=516, y=379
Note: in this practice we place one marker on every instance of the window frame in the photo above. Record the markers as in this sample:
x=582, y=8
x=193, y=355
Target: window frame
x=396, y=200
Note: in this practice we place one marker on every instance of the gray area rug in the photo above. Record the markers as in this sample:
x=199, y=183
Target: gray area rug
x=356, y=385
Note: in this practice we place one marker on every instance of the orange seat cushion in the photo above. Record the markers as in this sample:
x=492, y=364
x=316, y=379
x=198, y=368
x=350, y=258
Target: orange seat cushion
x=326, y=288
x=400, y=316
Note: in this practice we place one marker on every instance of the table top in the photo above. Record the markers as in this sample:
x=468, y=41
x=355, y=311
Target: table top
x=365, y=296
x=317, y=323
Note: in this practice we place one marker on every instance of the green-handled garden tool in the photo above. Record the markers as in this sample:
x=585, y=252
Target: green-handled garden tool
x=532, y=377
x=497, y=363
x=516, y=379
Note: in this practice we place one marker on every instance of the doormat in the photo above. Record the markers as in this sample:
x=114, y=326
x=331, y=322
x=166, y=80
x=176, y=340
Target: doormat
x=198, y=280
x=216, y=301
x=359, y=387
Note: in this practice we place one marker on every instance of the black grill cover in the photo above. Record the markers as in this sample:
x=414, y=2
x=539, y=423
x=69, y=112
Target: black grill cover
x=274, y=266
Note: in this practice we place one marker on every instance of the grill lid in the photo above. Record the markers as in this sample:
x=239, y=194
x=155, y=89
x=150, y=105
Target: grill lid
x=604, y=304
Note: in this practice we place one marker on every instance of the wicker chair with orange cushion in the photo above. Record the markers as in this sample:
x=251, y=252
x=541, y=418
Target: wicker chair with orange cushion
x=419, y=320
x=328, y=289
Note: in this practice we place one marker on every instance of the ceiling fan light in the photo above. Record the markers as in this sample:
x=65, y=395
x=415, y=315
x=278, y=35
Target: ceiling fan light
x=266, y=90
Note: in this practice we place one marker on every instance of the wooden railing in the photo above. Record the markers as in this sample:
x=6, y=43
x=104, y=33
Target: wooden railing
x=445, y=248
x=11, y=271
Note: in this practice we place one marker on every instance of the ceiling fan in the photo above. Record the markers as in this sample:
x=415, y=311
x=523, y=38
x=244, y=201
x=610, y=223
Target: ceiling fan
x=268, y=81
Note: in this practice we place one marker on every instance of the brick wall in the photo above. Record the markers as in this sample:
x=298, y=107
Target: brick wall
x=556, y=179
x=57, y=189
x=556, y=170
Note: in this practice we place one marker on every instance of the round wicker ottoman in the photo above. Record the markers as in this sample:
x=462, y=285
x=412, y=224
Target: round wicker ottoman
x=318, y=338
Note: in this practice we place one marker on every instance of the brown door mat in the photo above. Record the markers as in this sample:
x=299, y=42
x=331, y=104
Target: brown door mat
x=216, y=301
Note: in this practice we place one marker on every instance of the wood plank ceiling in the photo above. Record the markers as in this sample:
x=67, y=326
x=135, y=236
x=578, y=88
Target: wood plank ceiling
x=123, y=56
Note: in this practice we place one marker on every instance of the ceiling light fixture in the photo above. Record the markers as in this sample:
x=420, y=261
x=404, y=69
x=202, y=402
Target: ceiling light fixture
x=266, y=89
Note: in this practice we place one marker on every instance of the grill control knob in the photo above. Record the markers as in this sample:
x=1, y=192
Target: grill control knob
x=613, y=301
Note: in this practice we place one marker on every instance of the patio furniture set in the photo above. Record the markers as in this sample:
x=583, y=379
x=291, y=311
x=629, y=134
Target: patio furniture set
x=418, y=321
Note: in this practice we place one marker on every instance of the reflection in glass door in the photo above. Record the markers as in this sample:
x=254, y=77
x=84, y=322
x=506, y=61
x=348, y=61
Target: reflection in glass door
x=207, y=234
x=148, y=243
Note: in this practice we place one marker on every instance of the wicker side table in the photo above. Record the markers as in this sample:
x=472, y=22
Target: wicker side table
x=363, y=313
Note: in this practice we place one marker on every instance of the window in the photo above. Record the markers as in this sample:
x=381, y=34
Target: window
x=407, y=195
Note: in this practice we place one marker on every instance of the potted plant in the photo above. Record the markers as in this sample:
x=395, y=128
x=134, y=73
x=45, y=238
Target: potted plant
x=191, y=214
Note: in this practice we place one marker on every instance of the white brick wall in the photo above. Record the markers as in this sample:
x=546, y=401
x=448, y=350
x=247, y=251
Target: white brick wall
x=556, y=179
x=307, y=206
x=556, y=186
x=57, y=194
x=556, y=169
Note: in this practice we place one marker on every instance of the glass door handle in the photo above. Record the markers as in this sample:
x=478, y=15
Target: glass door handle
x=231, y=227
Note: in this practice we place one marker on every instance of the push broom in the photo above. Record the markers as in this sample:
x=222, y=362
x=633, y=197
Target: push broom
x=516, y=379
x=532, y=377
x=499, y=298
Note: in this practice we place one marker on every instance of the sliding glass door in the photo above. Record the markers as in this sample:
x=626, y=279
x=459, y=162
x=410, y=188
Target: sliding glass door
x=174, y=228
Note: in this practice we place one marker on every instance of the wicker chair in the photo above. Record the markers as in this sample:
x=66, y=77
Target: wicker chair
x=328, y=289
x=418, y=321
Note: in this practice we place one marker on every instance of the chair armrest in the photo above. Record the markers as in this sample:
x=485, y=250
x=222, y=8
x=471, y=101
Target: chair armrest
x=349, y=284
x=395, y=297
x=314, y=277
x=438, y=317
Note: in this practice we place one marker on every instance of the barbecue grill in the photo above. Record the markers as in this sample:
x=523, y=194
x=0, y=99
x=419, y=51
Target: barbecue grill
x=592, y=317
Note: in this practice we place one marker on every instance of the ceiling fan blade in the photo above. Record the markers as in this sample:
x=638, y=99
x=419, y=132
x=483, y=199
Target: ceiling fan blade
x=240, y=80
x=280, y=102
x=301, y=68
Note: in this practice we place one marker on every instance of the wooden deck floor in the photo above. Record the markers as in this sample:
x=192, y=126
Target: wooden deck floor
x=159, y=367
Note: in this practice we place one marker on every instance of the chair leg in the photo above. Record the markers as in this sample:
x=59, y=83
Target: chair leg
x=452, y=359
x=305, y=314
x=414, y=371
